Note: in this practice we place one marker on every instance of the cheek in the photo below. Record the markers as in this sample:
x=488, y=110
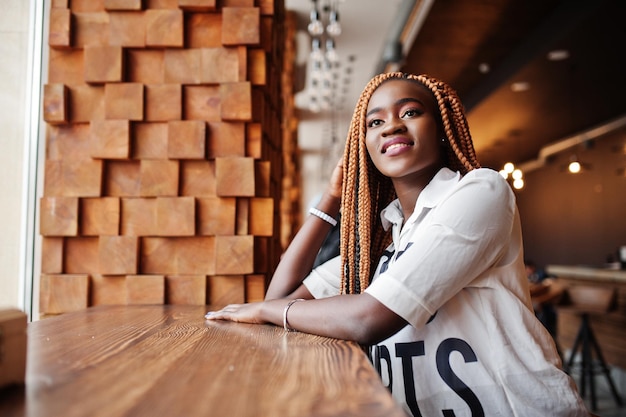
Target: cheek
x=430, y=136
x=370, y=145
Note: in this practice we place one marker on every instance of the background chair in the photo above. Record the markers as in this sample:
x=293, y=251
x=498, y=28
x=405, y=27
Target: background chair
x=586, y=301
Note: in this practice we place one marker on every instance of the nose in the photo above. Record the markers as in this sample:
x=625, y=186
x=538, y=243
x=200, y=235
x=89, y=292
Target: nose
x=394, y=126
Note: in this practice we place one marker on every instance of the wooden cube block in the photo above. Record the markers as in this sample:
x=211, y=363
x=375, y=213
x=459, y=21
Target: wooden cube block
x=86, y=103
x=52, y=255
x=266, y=6
x=122, y=4
x=59, y=34
x=254, y=140
x=257, y=66
x=197, y=5
x=236, y=101
x=243, y=217
x=66, y=66
x=59, y=4
x=59, y=216
x=262, y=256
x=85, y=6
x=178, y=255
x=241, y=25
x=127, y=29
x=150, y=140
x=220, y=65
x=161, y=4
x=145, y=66
x=202, y=103
x=110, y=139
x=176, y=216
x=182, y=66
x=263, y=181
x=216, y=216
x=55, y=103
x=237, y=3
x=99, y=216
x=63, y=293
x=164, y=102
x=267, y=34
x=164, y=28
x=138, y=217
x=158, y=255
x=195, y=255
x=91, y=28
x=235, y=177
x=185, y=289
x=255, y=288
x=81, y=255
x=226, y=139
x=53, y=178
x=243, y=62
x=145, y=289
x=80, y=178
x=259, y=106
x=108, y=290
x=186, y=139
x=123, y=101
x=159, y=178
x=234, y=255
x=261, y=221
x=63, y=178
x=224, y=290
x=198, y=178
x=203, y=30
x=119, y=255
x=123, y=179
x=103, y=64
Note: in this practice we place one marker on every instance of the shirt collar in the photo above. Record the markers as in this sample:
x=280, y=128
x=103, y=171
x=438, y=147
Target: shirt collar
x=430, y=196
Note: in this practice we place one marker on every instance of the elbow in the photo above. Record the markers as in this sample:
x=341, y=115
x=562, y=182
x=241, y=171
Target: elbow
x=368, y=335
x=374, y=322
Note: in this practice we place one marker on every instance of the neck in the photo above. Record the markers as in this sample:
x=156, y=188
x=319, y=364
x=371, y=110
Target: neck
x=409, y=189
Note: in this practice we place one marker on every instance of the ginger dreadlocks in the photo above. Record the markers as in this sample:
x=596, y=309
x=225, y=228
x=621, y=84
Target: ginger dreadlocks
x=366, y=191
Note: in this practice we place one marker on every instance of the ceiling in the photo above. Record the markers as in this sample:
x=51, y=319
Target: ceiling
x=486, y=50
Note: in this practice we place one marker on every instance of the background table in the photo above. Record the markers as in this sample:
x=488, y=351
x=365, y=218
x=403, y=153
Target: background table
x=169, y=361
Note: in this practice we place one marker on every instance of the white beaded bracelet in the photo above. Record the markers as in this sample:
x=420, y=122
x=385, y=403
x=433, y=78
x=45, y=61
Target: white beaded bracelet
x=285, y=311
x=323, y=216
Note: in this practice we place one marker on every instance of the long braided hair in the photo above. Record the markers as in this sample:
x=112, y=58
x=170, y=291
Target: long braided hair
x=365, y=191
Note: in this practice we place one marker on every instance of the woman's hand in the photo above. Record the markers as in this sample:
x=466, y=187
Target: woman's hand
x=336, y=179
x=242, y=313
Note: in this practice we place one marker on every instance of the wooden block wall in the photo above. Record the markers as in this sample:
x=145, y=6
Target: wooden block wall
x=290, y=203
x=164, y=167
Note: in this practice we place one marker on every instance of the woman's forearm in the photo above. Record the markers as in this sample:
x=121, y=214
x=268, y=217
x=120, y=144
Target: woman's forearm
x=298, y=259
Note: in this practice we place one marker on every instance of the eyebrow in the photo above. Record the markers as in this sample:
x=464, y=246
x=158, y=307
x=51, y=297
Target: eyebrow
x=399, y=102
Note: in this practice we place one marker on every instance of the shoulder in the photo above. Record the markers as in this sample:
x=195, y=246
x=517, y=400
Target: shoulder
x=481, y=190
x=489, y=180
x=484, y=174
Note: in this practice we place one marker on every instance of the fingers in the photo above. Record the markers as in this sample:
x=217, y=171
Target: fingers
x=223, y=314
x=336, y=179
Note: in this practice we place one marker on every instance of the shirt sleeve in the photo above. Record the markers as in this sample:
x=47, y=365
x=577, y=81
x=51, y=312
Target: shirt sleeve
x=466, y=234
x=325, y=280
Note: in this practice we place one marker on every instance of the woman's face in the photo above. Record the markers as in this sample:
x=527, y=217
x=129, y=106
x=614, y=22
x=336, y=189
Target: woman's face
x=401, y=130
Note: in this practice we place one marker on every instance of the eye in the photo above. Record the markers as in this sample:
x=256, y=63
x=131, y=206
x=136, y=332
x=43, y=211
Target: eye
x=412, y=112
x=374, y=123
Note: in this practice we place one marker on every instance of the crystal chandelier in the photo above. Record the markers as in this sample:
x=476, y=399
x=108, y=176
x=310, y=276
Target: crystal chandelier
x=323, y=29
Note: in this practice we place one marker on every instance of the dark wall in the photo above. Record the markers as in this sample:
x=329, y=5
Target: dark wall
x=576, y=219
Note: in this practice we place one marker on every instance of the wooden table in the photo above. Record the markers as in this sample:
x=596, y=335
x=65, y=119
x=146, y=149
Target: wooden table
x=168, y=361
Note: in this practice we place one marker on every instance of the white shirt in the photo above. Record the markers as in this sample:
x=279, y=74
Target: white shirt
x=455, y=273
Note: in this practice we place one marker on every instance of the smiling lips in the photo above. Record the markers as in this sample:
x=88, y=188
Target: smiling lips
x=396, y=143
